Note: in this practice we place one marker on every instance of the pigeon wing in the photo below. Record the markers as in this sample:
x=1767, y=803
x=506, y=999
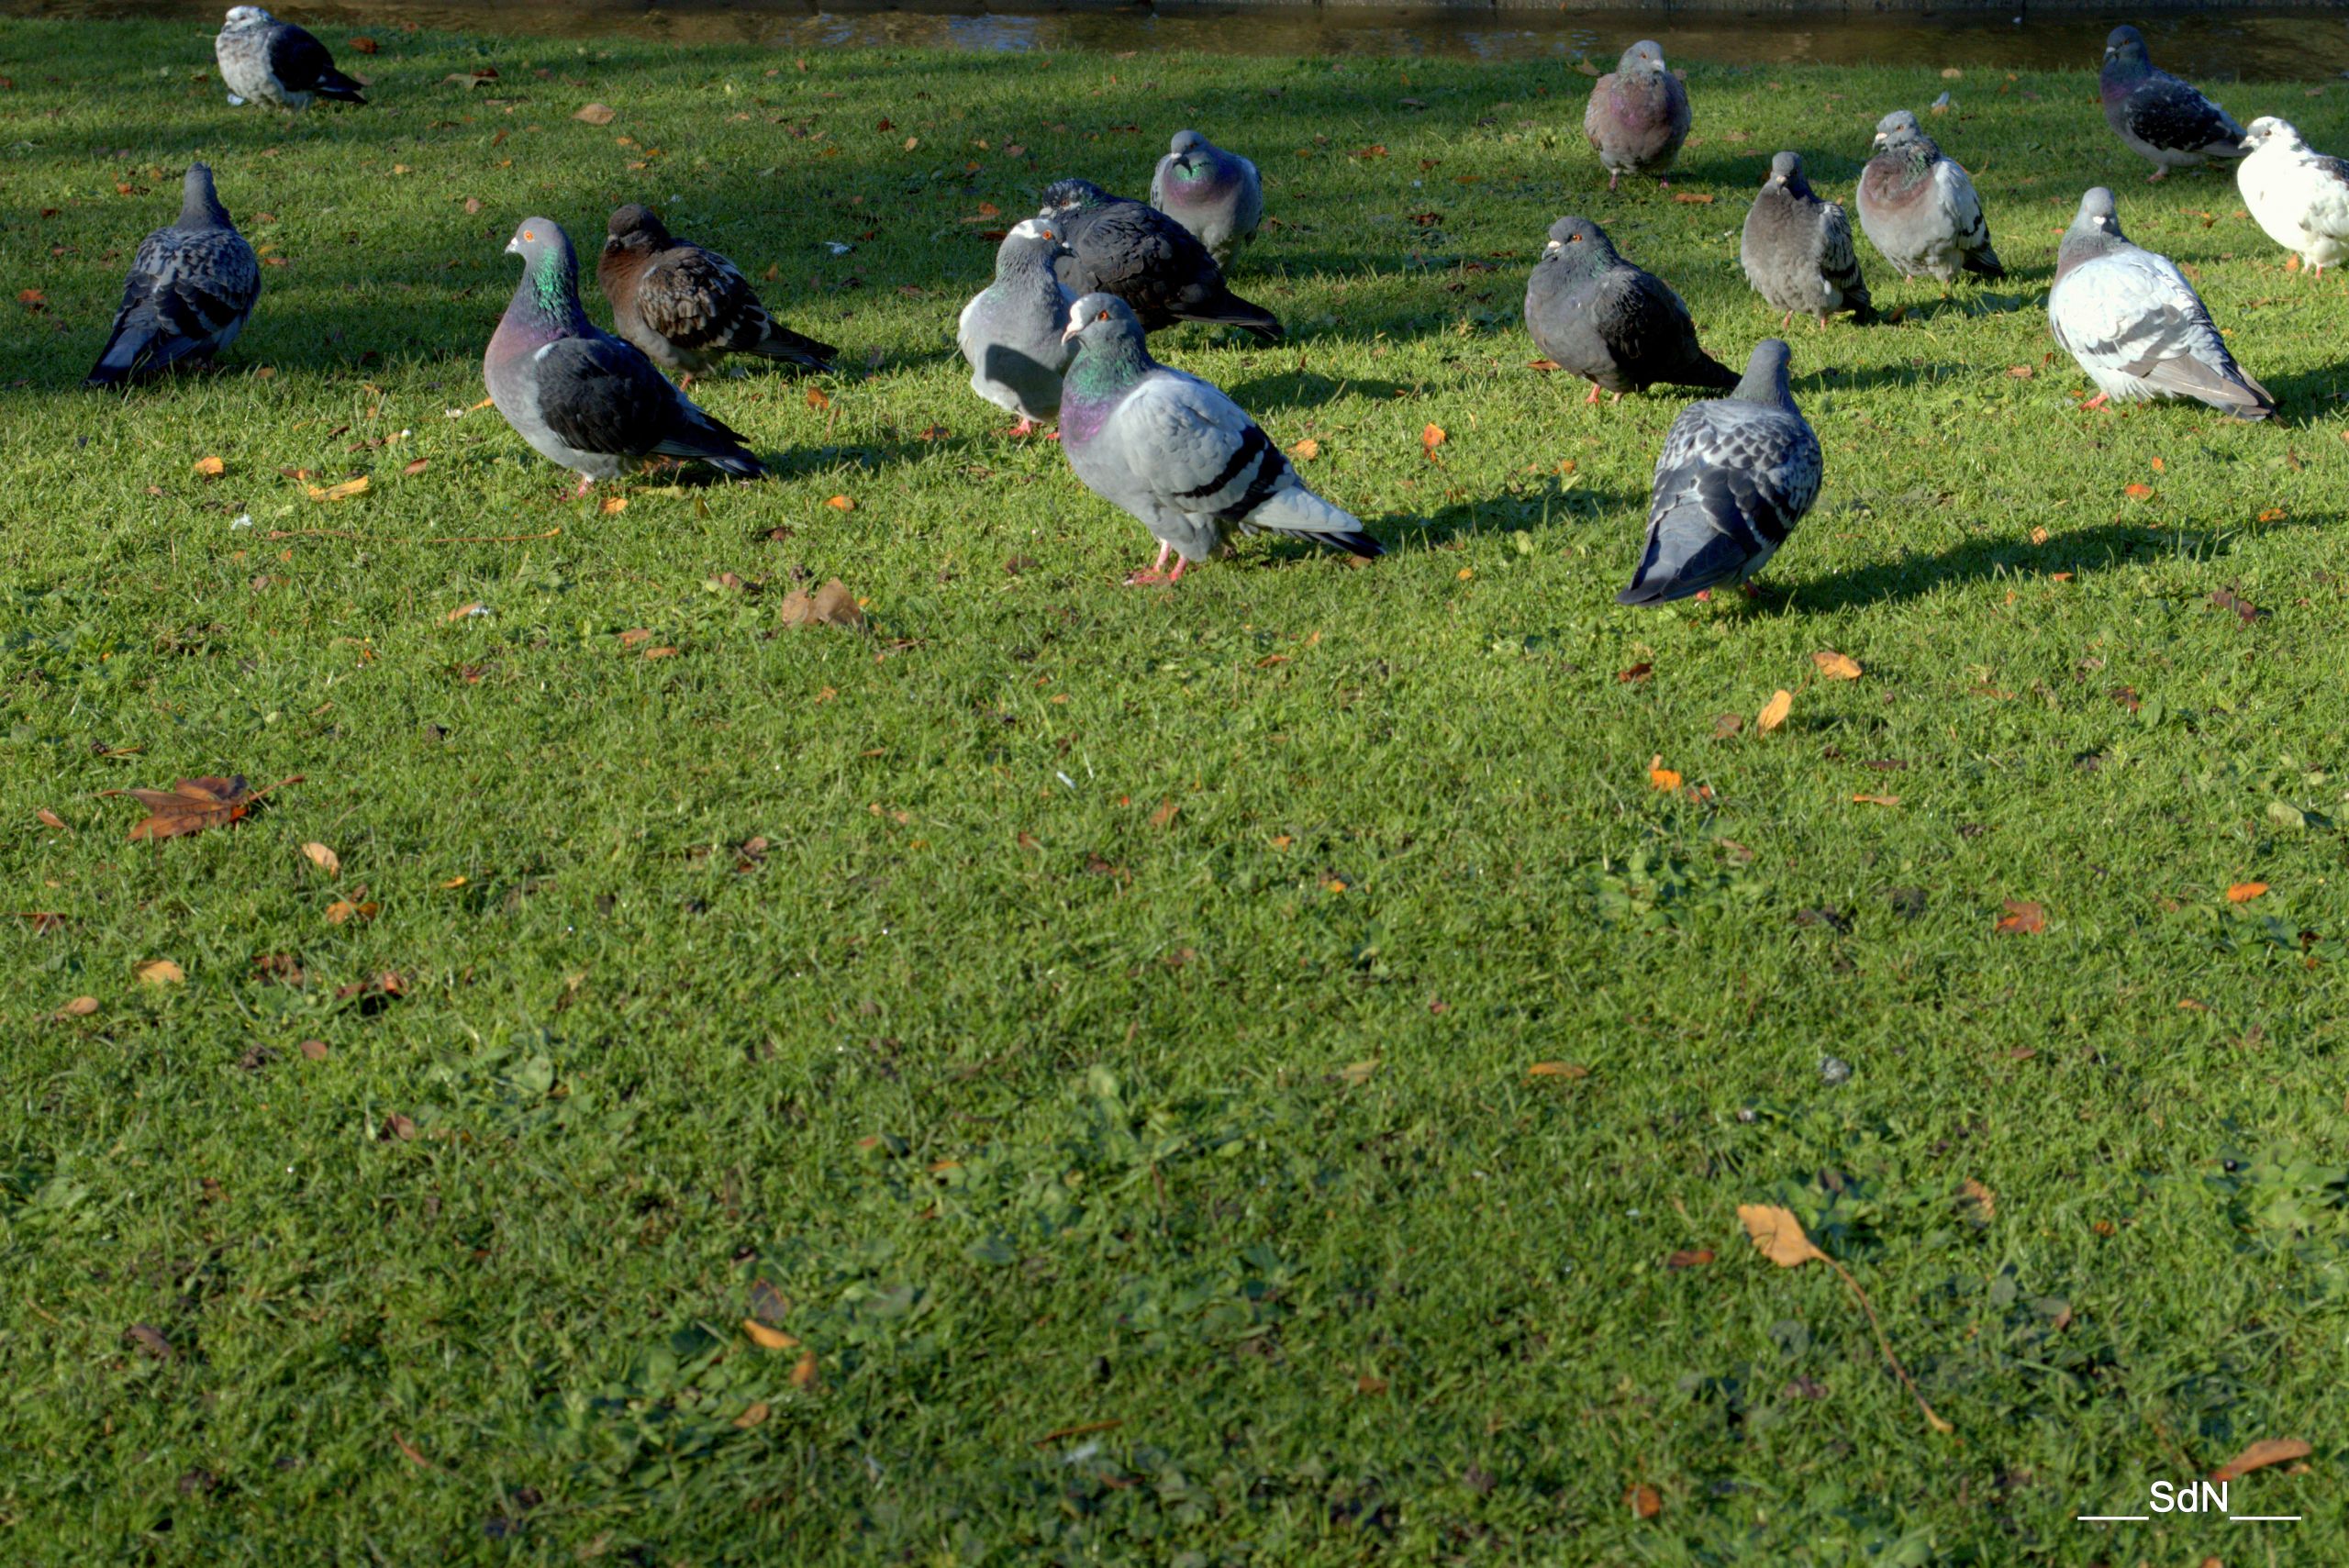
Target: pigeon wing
x=602, y=395
x=2170, y=113
x=698, y=300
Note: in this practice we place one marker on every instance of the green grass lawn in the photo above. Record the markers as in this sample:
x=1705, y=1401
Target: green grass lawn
x=1095, y=1024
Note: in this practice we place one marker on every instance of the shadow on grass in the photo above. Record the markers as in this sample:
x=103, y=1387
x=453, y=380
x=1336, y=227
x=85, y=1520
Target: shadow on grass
x=1553, y=505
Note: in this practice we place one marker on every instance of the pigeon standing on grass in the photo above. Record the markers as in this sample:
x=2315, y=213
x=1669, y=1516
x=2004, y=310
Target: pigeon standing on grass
x=2135, y=325
x=2163, y=119
x=583, y=397
x=1736, y=476
x=1598, y=316
x=2299, y=195
x=191, y=287
x=1797, y=249
x=1145, y=257
x=1014, y=332
x=1638, y=115
x=1214, y=194
x=1176, y=452
x=1919, y=208
x=688, y=308
x=264, y=60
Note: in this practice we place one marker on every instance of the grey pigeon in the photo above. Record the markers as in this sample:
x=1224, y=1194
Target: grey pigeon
x=191, y=287
x=1736, y=476
x=1145, y=257
x=1638, y=114
x=2299, y=195
x=264, y=60
x=1176, y=452
x=688, y=308
x=1214, y=194
x=1797, y=249
x=2134, y=323
x=581, y=396
x=1598, y=316
x=2163, y=119
x=1014, y=332
x=1918, y=207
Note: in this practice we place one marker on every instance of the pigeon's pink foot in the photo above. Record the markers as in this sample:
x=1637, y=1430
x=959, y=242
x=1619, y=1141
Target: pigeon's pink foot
x=2160, y=172
x=1023, y=430
x=1611, y=178
x=2099, y=400
x=1052, y=435
x=1156, y=571
x=1704, y=596
x=1594, y=396
x=1749, y=590
x=685, y=381
x=581, y=494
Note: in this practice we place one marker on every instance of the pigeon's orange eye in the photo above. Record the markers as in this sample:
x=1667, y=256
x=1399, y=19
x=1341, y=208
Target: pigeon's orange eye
x=529, y=234
x=1101, y=316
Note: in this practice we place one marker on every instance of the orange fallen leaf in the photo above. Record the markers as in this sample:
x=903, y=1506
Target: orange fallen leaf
x=1643, y=1501
x=79, y=1008
x=660, y=653
x=1661, y=777
x=1432, y=437
x=159, y=972
x=766, y=1337
x=803, y=1372
x=2261, y=1454
x=1165, y=813
x=210, y=467
x=418, y=466
x=597, y=114
x=461, y=611
x=831, y=605
x=1557, y=1070
x=1876, y=800
x=2138, y=492
x=1689, y=1257
x=756, y=1414
x=2039, y=535
x=841, y=504
x=49, y=819
x=1694, y=198
x=2273, y=514
x=191, y=805
x=2022, y=373
x=612, y=505
x=326, y=859
x=1305, y=451
x=633, y=636
x=1836, y=666
x=2023, y=920
x=1981, y=1199
x=2245, y=892
x=2159, y=466
x=342, y=492
x=342, y=911
x=816, y=399
x=1773, y=712
x=1777, y=1234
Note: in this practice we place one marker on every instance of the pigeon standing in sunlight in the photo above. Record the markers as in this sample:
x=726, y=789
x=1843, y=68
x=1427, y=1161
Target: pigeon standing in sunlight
x=1797, y=249
x=1145, y=257
x=688, y=308
x=581, y=396
x=2299, y=195
x=1176, y=452
x=1214, y=194
x=1736, y=476
x=2136, y=326
x=2163, y=119
x=1638, y=115
x=1596, y=315
x=1014, y=332
x=191, y=287
x=1919, y=208
x=264, y=60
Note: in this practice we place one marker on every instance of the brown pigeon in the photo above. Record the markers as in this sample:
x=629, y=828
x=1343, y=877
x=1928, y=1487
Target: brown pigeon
x=686, y=307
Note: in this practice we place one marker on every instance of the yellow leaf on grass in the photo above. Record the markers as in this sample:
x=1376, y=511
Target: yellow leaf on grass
x=752, y=1417
x=159, y=972
x=210, y=467
x=612, y=505
x=2261, y=1454
x=1660, y=776
x=1432, y=438
x=1836, y=666
x=343, y=910
x=79, y=1008
x=766, y=1337
x=803, y=1372
x=2245, y=892
x=1777, y=1234
x=1981, y=1199
x=1306, y=450
x=841, y=504
x=1773, y=712
x=595, y=114
x=1359, y=1073
x=342, y=492
x=326, y=859
x=1876, y=800
x=1557, y=1070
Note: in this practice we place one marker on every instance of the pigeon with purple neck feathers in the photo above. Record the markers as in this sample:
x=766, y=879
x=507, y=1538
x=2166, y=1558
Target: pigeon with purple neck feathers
x=1736, y=476
x=1176, y=452
x=1596, y=315
x=1214, y=194
x=2163, y=119
x=1145, y=257
x=1638, y=115
x=1918, y=207
x=2136, y=326
x=191, y=287
x=1013, y=333
x=264, y=60
x=581, y=396
x=688, y=308
x=1797, y=249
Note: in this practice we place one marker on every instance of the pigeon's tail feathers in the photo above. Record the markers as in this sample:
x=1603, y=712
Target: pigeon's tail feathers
x=126, y=353
x=333, y=83
x=1683, y=560
x=1225, y=309
x=2229, y=389
x=1710, y=372
x=1984, y=263
x=700, y=434
x=1290, y=508
x=1857, y=301
x=782, y=343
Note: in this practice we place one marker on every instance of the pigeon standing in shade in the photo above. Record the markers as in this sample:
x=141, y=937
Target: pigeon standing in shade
x=2134, y=323
x=581, y=396
x=688, y=308
x=1176, y=452
x=1014, y=332
x=1214, y=194
x=1598, y=316
x=2299, y=195
x=264, y=60
x=1919, y=207
x=2163, y=119
x=1797, y=249
x=1638, y=115
x=1736, y=476
x=191, y=287
x=1145, y=257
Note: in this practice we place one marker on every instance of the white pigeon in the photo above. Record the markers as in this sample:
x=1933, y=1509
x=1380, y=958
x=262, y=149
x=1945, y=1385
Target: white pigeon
x=2299, y=195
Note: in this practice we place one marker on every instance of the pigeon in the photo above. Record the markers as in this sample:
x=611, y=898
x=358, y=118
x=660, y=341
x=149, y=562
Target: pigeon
x=1919, y=207
x=688, y=308
x=2300, y=196
x=1638, y=115
x=2163, y=119
x=1176, y=452
x=583, y=397
x=1013, y=331
x=2133, y=322
x=191, y=287
x=1598, y=316
x=264, y=60
x=1145, y=257
x=1797, y=249
x=1214, y=194
x=1737, y=474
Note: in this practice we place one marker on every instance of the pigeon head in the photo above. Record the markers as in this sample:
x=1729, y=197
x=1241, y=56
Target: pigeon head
x=1898, y=128
x=1786, y=172
x=1185, y=142
x=1579, y=246
x=1037, y=237
x=2095, y=230
x=2125, y=47
x=249, y=17
x=635, y=227
x=1101, y=321
x=1645, y=57
x=550, y=282
x=1766, y=375
x=199, y=202
x=1071, y=195
x=2267, y=129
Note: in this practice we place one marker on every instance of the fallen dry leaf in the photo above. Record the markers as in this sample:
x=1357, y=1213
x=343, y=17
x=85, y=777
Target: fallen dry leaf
x=2138, y=492
x=149, y=1340
x=1773, y=712
x=364, y=44
x=1557, y=1070
x=597, y=114
x=210, y=467
x=1689, y=1257
x=2261, y=1454
x=342, y=911
x=159, y=972
x=1432, y=438
x=1777, y=1234
x=612, y=505
x=49, y=819
x=816, y=399
x=2025, y=919
x=831, y=605
x=841, y=504
x=766, y=1337
x=2245, y=892
x=326, y=859
x=1359, y=1073
x=2273, y=514
x=1165, y=813
x=191, y=805
x=1636, y=672
x=1643, y=1501
x=1876, y=800
x=803, y=1372
x=418, y=466
x=1981, y=1199
x=1661, y=777
x=315, y=1050
x=1836, y=666
x=79, y=1008
x=342, y=492
x=1305, y=451
x=1694, y=198
x=2039, y=535
x=752, y=1417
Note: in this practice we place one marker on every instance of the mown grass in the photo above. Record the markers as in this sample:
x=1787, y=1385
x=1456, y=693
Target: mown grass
x=1125, y=1030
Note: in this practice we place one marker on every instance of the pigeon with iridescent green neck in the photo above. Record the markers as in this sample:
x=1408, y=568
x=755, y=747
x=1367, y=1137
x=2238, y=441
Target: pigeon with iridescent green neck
x=1214, y=194
x=1918, y=207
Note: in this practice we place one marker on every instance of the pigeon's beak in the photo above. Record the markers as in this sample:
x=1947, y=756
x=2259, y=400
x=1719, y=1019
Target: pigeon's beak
x=1553, y=245
x=1879, y=139
x=513, y=247
x=1074, y=328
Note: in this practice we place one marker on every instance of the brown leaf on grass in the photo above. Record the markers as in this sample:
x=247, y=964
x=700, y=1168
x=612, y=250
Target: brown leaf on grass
x=841, y=504
x=2273, y=514
x=1689, y=1257
x=2261, y=1454
x=756, y=1416
x=396, y=1127
x=1977, y=1202
x=408, y=1448
x=633, y=636
x=1165, y=813
x=1694, y=198
x=150, y=1340
x=612, y=505
x=364, y=44
x=1836, y=666
x=210, y=467
x=803, y=1372
x=1545, y=366
x=1777, y=1234
x=597, y=114
x=342, y=492
x=1557, y=1070
x=461, y=611
x=326, y=859
x=2023, y=920
x=2039, y=535
x=282, y=967
x=2245, y=892
x=1644, y=1502
x=1876, y=800
x=342, y=911
x=79, y=1008
x=418, y=466
x=2022, y=373
x=1728, y=724
x=831, y=605
x=2245, y=611
x=2137, y=492
x=1636, y=672
x=191, y=805
x=1305, y=451
x=1586, y=67
x=817, y=400
x=159, y=972
x=51, y=820
x=315, y=1050
x=32, y=300
x=388, y=984
x=1773, y=712
x=767, y=1338
x=1432, y=437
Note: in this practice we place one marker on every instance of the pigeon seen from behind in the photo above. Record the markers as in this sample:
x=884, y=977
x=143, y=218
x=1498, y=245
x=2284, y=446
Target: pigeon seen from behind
x=1797, y=249
x=1014, y=332
x=1638, y=115
x=1596, y=315
x=1145, y=257
x=581, y=396
x=264, y=60
x=1918, y=207
x=1736, y=476
x=1176, y=452
x=2299, y=195
x=688, y=308
x=2163, y=119
x=1214, y=194
x=2136, y=326
x=191, y=287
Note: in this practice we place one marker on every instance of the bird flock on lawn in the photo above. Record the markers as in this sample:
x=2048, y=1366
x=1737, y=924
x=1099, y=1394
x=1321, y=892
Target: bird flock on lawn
x=1059, y=334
